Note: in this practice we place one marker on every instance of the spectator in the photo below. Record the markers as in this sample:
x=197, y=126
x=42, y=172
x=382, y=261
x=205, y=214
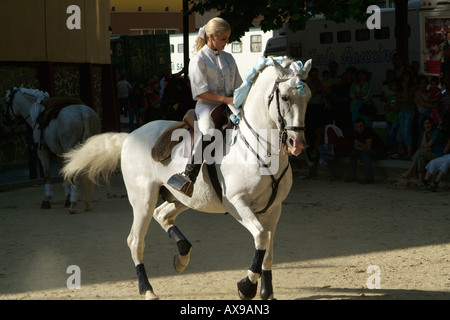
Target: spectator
x=123, y=91
x=438, y=167
x=392, y=108
x=432, y=147
x=435, y=96
x=360, y=93
x=368, y=146
x=422, y=101
x=341, y=109
x=406, y=113
x=313, y=120
x=386, y=92
x=398, y=65
x=151, y=95
x=165, y=79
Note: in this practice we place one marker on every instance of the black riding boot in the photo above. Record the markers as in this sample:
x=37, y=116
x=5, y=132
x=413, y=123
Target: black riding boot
x=184, y=181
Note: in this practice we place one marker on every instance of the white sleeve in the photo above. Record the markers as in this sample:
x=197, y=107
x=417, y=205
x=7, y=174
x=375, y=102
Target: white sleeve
x=198, y=77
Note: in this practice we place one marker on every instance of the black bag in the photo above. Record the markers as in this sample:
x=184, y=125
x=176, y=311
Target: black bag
x=368, y=109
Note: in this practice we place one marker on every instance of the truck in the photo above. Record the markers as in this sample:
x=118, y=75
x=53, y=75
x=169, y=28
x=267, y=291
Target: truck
x=352, y=43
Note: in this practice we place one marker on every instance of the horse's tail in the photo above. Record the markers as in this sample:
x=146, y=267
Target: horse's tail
x=98, y=157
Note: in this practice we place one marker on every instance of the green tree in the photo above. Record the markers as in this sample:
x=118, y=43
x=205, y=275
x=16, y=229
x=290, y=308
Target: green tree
x=275, y=14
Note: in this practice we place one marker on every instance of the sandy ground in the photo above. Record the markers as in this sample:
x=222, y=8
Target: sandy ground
x=329, y=235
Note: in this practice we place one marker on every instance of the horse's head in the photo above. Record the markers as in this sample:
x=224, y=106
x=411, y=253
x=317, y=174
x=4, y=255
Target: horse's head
x=9, y=113
x=287, y=101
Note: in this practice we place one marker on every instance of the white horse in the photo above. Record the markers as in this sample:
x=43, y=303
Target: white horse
x=252, y=191
x=74, y=124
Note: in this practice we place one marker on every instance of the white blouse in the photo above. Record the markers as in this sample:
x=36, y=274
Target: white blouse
x=213, y=71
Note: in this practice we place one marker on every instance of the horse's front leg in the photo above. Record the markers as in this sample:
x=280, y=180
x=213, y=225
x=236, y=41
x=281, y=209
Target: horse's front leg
x=45, y=160
x=244, y=214
x=270, y=221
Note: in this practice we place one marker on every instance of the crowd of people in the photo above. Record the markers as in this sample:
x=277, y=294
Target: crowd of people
x=340, y=115
x=142, y=103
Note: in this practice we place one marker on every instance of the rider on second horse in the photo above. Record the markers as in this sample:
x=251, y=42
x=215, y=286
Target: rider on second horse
x=214, y=77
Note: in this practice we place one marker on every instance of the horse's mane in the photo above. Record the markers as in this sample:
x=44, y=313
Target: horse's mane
x=34, y=93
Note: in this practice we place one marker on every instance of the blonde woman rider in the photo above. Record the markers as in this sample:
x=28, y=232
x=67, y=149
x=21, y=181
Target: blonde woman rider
x=214, y=77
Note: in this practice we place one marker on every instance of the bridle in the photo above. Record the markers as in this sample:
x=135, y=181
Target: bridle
x=281, y=121
x=9, y=105
x=10, y=110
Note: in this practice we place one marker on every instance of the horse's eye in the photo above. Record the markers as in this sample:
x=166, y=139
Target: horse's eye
x=285, y=98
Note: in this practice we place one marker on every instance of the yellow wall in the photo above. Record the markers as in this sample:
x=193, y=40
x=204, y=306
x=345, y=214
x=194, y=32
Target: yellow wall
x=36, y=30
x=147, y=5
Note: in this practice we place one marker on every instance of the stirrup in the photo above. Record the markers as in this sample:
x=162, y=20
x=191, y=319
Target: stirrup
x=181, y=183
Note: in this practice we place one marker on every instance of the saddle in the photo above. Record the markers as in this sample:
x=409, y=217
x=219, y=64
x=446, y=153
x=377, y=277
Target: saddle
x=164, y=145
x=52, y=107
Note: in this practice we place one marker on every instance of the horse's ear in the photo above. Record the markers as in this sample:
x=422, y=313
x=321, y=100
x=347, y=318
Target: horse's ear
x=305, y=70
x=280, y=70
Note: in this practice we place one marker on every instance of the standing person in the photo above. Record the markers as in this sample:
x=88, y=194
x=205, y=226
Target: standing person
x=422, y=101
x=392, y=108
x=123, y=91
x=435, y=95
x=314, y=118
x=214, y=76
x=406, y=113
x=361, y=92
x=368, y=146
x=165, y=79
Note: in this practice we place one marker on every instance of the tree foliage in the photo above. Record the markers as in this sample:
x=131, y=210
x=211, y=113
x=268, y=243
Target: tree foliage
x=275, y=14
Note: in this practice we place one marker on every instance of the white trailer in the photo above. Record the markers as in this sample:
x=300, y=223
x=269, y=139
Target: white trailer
x=246, y=51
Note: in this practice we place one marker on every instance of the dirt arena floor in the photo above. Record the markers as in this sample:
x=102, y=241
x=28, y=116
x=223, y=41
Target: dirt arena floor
x=335, y=240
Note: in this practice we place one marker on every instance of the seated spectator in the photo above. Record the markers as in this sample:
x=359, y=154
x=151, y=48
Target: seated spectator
x=437, y=167
x=432, y=147
x=368, y=146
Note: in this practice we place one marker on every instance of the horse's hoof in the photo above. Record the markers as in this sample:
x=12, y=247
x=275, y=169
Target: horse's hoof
x=150, y=295
x=247, y=289
x=45, y=204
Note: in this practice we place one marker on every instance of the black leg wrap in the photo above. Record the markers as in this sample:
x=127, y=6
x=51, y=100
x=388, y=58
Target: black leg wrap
x=257, y=261
x=246, y=289
x=266, y=285
x=184, y=246
x=144, y=284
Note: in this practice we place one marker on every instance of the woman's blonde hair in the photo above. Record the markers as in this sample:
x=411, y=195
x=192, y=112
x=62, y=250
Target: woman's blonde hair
x=215, y=26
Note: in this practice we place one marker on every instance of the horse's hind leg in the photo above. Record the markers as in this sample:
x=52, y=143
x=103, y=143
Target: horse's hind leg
x=166, y=214
x=143, y=203
x=45, y=161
